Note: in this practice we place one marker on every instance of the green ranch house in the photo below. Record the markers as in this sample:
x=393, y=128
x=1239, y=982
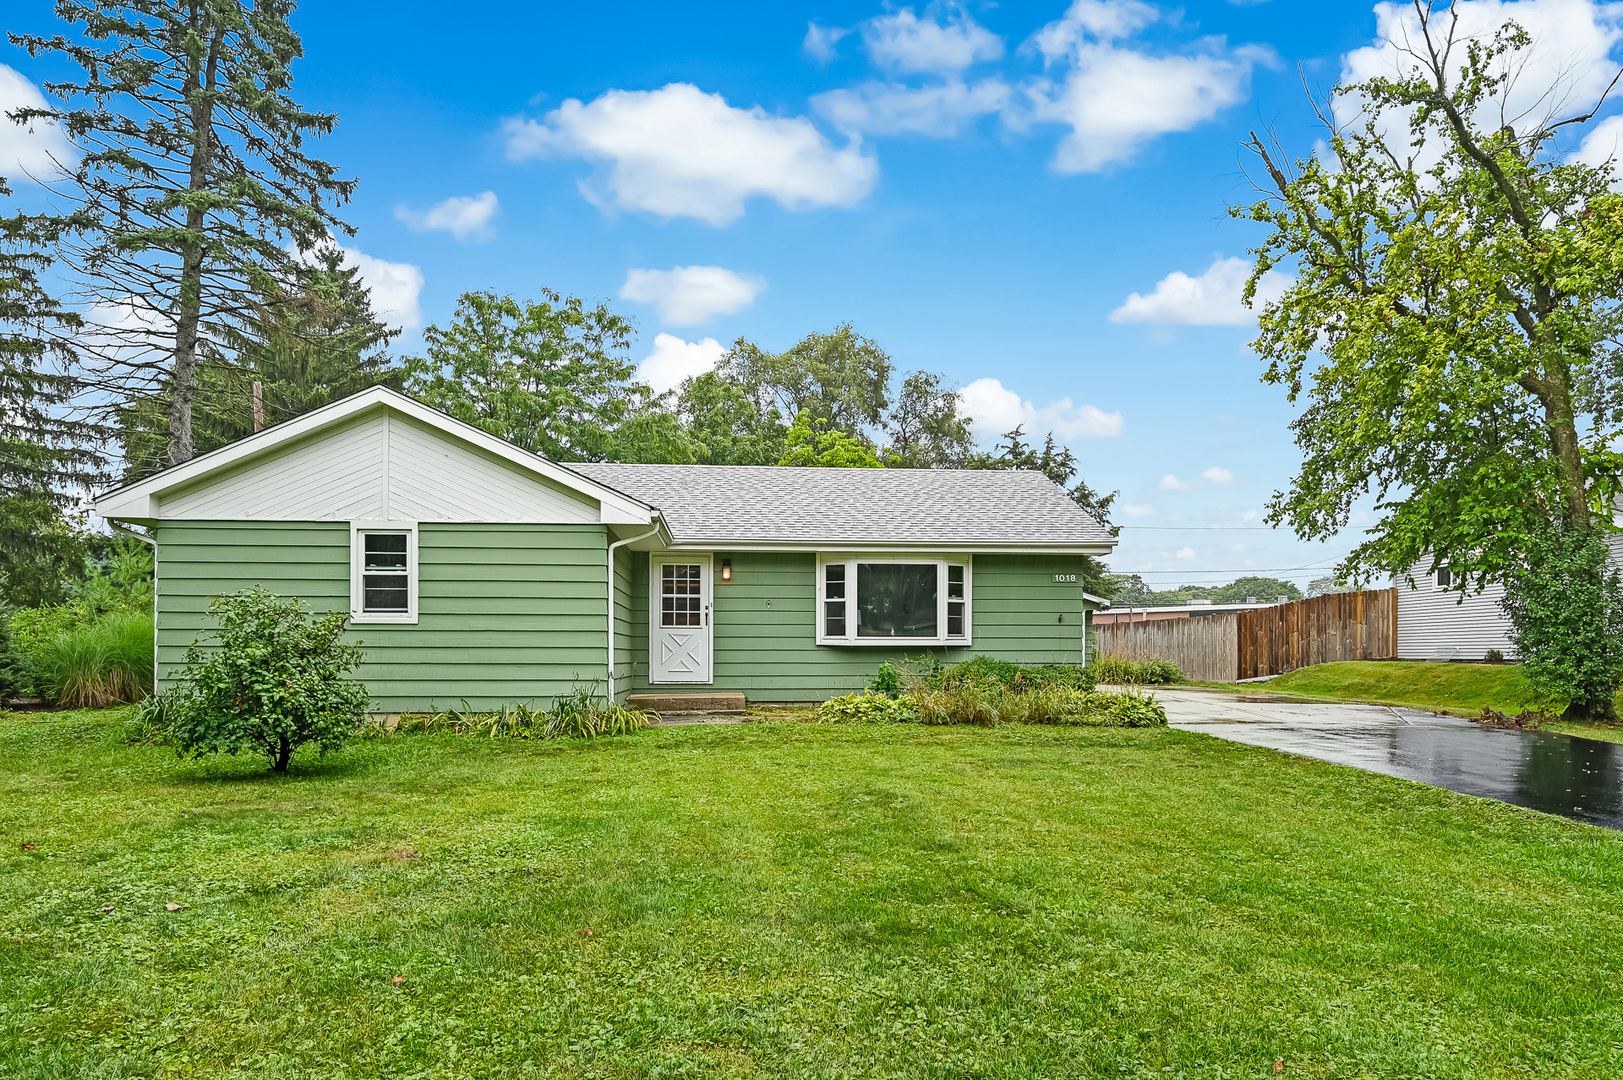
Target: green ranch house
x=477, y=572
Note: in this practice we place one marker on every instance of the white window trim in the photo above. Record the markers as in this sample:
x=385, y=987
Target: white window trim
x=940, y=562
x=356, y=557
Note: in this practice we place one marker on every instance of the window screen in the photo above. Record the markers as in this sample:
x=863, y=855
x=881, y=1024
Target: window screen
x=385, y=584
x=834, y=600
x=679, y=596
x=896, y=600
x=955, y=601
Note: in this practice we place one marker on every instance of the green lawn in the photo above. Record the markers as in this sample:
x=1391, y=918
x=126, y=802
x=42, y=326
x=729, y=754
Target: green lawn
x=1461, y=689
x=788, y=899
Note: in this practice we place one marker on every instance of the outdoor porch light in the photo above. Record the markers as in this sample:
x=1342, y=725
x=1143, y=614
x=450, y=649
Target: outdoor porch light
x=726, y=569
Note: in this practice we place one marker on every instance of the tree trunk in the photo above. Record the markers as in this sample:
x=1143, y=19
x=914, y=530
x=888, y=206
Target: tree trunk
x=1558, y=417
x=189, y=304
x=284, y=754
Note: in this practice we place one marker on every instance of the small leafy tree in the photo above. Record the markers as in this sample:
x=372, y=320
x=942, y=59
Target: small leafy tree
x=1565, y=606
x=274, y=683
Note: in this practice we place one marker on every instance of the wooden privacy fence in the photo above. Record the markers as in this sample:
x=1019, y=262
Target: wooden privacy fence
x=1204, y=647
x=1340, y=626
x=1264, y=641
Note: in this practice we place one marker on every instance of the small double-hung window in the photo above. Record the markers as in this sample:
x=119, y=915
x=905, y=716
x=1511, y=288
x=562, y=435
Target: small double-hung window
x=893, y=601
x=383, y=574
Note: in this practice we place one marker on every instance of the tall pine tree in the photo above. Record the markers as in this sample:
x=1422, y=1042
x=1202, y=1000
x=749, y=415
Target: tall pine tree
x=195, y=188
x=47, y=454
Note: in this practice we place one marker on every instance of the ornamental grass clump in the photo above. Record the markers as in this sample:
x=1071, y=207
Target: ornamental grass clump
x=272, y=682
x=1115, y=671
x=580, y=715
x=92, y=665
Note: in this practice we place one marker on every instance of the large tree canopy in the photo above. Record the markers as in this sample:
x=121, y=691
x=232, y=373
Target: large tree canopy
x=1451, y=332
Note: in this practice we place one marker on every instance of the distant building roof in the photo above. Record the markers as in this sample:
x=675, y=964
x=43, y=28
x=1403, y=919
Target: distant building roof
x=742, y=504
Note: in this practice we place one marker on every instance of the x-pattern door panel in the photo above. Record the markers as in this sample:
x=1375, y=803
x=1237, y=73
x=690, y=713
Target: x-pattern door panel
x=680, y=637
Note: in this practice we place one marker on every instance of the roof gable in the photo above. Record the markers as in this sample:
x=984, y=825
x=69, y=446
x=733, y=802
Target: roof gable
x=377, y=454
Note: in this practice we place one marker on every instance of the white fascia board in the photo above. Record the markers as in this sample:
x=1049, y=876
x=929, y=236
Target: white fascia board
x=1090, y=598
x=139, y=500
x=841, y=547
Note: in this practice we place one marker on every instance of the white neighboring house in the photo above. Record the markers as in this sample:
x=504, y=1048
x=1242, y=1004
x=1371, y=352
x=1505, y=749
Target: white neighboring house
x=1438, y=622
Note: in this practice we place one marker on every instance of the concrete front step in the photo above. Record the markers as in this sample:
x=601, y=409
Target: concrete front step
x=677, y=704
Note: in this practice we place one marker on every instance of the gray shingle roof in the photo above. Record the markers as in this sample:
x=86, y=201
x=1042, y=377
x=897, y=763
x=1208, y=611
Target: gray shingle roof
x=768, y=504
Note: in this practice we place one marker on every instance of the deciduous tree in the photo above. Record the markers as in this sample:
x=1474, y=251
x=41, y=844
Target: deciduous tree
x=1452, y=330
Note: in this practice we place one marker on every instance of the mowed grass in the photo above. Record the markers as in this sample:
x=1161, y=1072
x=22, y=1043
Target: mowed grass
x=788, y=899
x=1460, y=689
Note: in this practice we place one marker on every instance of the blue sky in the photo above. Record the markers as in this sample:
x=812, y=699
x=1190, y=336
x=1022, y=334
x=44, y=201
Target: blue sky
x=983, y=189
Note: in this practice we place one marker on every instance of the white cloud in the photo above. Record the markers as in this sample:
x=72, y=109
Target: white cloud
x=1169, y=482
x=1600, y=145
x=903, y=42
x=464, y=217
x=674, y=360
x=1212, y=299
x=33, y=149
x=1138, y=510
x=1186, y=553
x=679, y=152
x=1116, y=98
x=820, y=41
x=394, y=287
x=881, y=108
x=1566, y=69
x=1249, y=515
x=993, y=409
x=684, y=295
x=1216, y=475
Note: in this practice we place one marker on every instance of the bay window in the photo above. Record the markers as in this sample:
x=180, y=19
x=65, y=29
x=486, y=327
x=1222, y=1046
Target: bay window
x=893, y=600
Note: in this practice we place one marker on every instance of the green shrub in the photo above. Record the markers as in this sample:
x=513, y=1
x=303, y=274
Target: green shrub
x=16, y=674
x=273, y=683
x=867, y=709
x=1098, y=708
x=1113, y=670
x=95, y=664
x=1565, y=606
x=887, y=680
x=986, y=671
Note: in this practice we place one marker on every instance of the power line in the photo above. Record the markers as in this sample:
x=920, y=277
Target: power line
x=1203, y=528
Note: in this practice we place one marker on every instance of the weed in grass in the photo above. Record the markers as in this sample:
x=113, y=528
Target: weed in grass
x=581, y=715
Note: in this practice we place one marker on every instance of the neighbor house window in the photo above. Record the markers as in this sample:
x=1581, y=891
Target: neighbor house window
x=383, y=573
x=893, y=600
x=1445, y=577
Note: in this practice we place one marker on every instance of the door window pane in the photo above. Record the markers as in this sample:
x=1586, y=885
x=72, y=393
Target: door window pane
x=679, y=595
x=896, y=600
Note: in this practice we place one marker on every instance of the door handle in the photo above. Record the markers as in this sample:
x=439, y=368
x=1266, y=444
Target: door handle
x=707, y=614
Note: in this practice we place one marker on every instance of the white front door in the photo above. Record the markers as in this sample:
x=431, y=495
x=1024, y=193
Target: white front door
x=679, y=639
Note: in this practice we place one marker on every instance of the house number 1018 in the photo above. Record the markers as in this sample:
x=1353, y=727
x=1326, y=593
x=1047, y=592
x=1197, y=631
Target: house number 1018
x=1064, y=577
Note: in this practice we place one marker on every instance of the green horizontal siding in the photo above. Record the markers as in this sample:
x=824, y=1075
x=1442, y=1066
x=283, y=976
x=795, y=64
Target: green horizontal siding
x=505, y=612
x=1018, y=612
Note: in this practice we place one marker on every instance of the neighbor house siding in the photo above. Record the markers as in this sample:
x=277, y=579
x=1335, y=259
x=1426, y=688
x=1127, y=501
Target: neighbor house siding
x=507, y=613
x=765, y=624
x=1437, y=623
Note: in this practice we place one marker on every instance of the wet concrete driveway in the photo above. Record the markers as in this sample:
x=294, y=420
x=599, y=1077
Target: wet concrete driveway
x=1558, y=774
